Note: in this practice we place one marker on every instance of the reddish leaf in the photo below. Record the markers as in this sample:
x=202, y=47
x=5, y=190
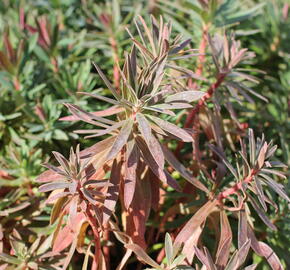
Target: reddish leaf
x=225, y=241
x=264, y=250
x=130, y=173
x=197, y=219
x=113, y=192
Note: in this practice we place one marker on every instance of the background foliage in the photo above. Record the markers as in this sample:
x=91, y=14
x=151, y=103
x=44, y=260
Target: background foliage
x=46, y=54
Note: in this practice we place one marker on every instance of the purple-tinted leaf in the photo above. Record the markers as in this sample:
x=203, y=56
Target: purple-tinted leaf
x=242, y=230
x=172, y=106
x=196, y=220
x=53, y=186
x=55, y=169
x=180, y=47
x=108, y=130
x=186, y=96
x=107, y=82
x=121, y=139
x=142, y=255
x=260, y=193
x=152, y=143
x=97, y=148
x=49, y=176
x=130, y=173
x=261, y=214
x=173, y=161
x=100, y=97
x=113, y=192
x=225, y=241
x=150, y=161
x=239, y=257
x=278, y=188
x=262, y=249
x=172, y=129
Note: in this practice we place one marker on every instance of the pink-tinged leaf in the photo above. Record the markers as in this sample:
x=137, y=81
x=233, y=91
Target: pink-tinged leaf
x=100, y=97
x=151, y=141
x=130, y=173
x=70, y=254
x=187, y=96
x=260, y=193
x=261, y=214
x=53, y=186
x=262, y=249
x=108, y=112
x=142, y=255
x=225, y=241
x=121, y=139
x=53, y=197
x=107, y=82
x=97, y=148
x=239, y=257
x=150, y=161
x=187, y=250
x=73, y=207
x=205, y=258
x=242, y=229
x=172, y=129
x=49, y=176
x=139, y=211
x=278, y=188
x=100, y=132
x=89, y=117
x=173, y=161
x=262, y=155
x=55, y=169
x=63, y=240
x=113, y=192
x=155, y=190
x=197, y=219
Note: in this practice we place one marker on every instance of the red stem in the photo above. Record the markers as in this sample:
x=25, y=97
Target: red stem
x=201, y=58
x=94, y=226
x=238, y=186
x=191, y=116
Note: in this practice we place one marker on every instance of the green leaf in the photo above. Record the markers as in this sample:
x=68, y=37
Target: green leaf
x=168, y=249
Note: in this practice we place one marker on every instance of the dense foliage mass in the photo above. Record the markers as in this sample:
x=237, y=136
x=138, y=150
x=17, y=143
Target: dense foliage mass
x=144, y=134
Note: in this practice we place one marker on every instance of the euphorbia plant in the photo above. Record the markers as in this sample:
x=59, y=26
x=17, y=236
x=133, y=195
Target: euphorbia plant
x=129, y=166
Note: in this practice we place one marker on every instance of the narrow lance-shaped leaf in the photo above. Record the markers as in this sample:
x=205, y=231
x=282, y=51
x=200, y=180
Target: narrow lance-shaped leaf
x=173, y=161
x=197, y=219
x=107, y=82
x=172, y=129
x=152, y=143
x=142, y=255
x=113, y=191
x=225, y=241
x=121, y=139
x=168, y=248
x=187, y=96
x=130, y=173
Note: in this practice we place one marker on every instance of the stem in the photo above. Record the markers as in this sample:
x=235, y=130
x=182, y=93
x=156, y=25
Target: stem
x=201, y=57
x=237, y=187
x=191, y=116
x=94, y=226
